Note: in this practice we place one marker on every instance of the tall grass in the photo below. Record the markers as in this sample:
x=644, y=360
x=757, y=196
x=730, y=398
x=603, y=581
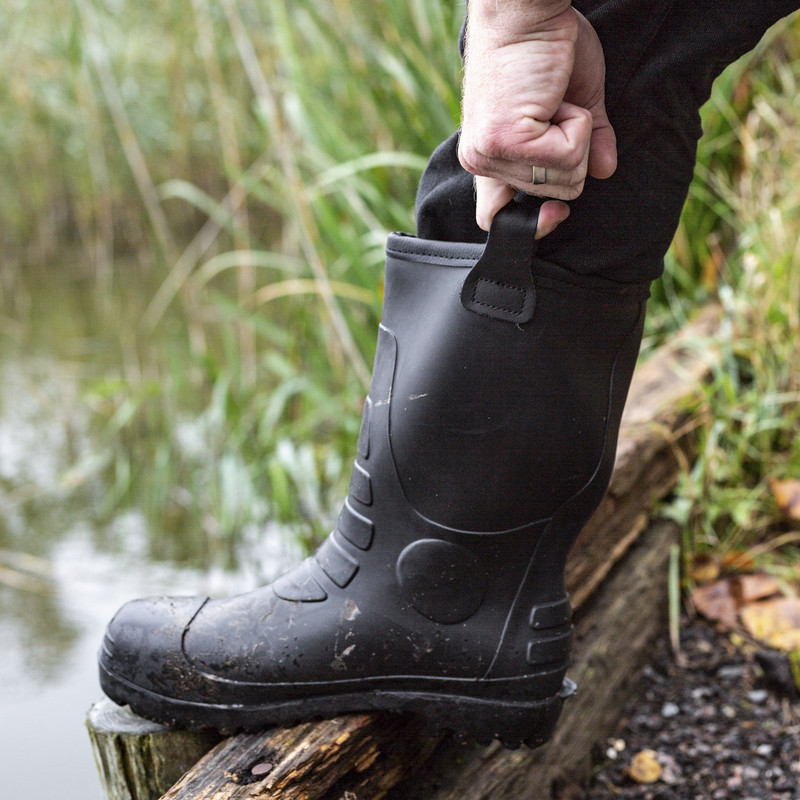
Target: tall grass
x=740, y=241
x=252, y=155
x=246, y=159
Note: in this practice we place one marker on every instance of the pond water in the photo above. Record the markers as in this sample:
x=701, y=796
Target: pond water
x=64, y=567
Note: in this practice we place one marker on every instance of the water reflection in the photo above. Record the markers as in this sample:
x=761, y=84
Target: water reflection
x=65, y=568
x=38, y=437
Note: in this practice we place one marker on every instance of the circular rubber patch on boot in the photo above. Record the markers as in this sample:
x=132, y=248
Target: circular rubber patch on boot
x=441, y=580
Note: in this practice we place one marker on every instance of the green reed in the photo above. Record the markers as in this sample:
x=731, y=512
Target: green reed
x=739, y=243
x=246, y=159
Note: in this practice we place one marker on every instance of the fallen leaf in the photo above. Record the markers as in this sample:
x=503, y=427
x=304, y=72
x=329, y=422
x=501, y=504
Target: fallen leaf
x=758, y=586
x=723, y=600
x=739, y=560
x=787, y=641
x=644, y=767
x=703, y=568
x=717, y=602
x=787, y=496
x=776, y=622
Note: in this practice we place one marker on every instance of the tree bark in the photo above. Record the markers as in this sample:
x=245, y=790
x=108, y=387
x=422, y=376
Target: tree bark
x=351, y=757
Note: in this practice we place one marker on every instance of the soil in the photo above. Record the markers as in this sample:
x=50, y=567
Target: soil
x=718, y=726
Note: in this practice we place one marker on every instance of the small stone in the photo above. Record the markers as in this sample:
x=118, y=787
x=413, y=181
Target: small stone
x=728, y=711
x=670, y=710
x=611, y=753
x=651, y=722
x=671, y=772
x=261, y=769
x=750, y=773
x=764, y=749
x=730, y=671
x=704, y=646
x=757, y=696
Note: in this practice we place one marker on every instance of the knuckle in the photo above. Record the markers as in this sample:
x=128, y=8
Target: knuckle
x=574, y=192
x=488, y=141
x=574, y=156
x=578, y=175
x=477, y=157
x=468, y=157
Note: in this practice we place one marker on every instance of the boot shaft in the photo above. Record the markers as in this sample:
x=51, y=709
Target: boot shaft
x=495, y=424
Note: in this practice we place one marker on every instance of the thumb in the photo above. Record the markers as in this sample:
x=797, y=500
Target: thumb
x=603, y=145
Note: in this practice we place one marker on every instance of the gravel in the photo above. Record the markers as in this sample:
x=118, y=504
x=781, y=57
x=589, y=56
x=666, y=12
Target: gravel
x=716, y=728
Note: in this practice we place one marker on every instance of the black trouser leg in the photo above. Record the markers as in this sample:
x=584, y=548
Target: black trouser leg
x=661, y=58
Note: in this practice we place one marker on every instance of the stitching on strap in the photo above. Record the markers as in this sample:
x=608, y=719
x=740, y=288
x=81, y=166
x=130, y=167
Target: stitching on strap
x=522, y=292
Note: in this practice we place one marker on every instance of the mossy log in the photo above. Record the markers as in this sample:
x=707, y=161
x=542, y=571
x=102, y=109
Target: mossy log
x=619, y=598
x=138, y=759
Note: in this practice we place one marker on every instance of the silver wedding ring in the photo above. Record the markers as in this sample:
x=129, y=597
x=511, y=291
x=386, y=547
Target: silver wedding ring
x=539, y=176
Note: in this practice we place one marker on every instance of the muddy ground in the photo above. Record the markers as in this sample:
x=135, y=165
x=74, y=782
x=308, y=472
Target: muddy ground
x=718, y=727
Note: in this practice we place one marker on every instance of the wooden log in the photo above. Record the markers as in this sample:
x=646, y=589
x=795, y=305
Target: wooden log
x=351, y=757
x=654, y=441
x=138, y=759
x=615, y=631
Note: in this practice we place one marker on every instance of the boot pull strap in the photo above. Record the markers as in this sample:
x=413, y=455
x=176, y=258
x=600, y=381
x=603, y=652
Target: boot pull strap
x=501, y=285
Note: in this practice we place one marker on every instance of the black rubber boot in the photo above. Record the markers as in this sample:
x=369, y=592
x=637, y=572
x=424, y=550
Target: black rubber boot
x=487, y=441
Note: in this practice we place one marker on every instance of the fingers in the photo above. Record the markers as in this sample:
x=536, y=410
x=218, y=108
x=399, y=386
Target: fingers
x=563, y=149
x=551, y=214
x=491, y=195
x=598, y=159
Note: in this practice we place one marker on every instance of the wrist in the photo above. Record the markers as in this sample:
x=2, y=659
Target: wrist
x=516, y=16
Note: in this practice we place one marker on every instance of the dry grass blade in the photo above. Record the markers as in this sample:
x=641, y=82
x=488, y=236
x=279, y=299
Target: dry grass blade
x=25, y=572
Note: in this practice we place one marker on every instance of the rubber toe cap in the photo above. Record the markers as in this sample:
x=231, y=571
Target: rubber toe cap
x=142, y=646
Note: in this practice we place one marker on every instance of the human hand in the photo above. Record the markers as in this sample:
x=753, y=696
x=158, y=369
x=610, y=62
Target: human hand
x=533, y=96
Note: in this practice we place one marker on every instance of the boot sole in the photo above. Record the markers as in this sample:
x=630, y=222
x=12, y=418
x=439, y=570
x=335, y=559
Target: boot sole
x=512, y=722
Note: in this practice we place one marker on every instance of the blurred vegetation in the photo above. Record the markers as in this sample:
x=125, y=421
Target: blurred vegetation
x=243, y=161
x=739, y=244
